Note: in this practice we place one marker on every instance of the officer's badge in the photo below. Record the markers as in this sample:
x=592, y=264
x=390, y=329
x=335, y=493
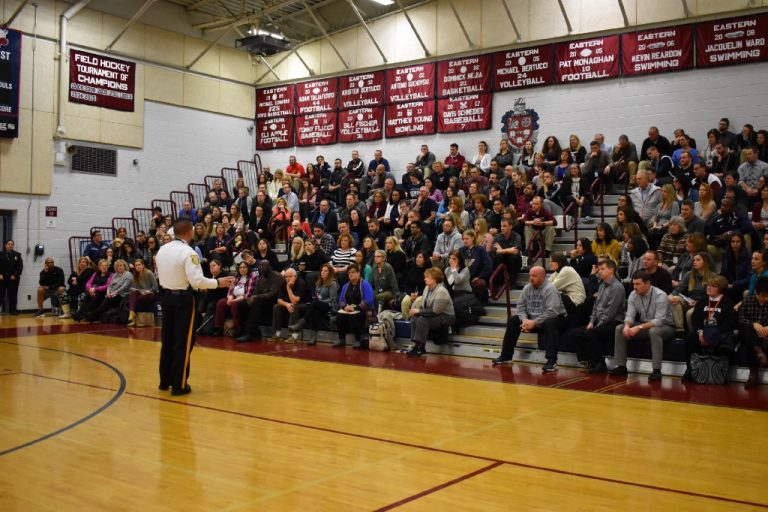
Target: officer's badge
x=195, y=259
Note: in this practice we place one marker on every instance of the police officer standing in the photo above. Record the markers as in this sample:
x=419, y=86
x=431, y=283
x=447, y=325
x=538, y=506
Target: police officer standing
x=180, y=273
x=11, y=266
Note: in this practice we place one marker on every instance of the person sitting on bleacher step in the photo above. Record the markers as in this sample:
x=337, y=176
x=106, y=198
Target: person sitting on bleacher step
x=539, y=310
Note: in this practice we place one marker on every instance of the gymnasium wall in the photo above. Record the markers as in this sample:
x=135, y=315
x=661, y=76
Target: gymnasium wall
x=181, y=145
x=694, y=100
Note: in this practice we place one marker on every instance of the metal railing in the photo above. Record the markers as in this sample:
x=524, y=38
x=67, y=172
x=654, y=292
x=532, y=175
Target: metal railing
x=77, y=245
x=597, y=192
x=574, y=224
x=129, y=223
x=279, y=226
x=178, y=197
x=199, y=193
x=143, y=218
x=167, y=206
x=229, y=175
x=537, y=240
x=496, y=292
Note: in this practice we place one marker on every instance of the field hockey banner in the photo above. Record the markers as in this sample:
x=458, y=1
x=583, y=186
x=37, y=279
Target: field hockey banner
x=275, y=133
x=274, y=102
x=10, y=82
x=526, y=67
x=413, y=118
x=317, y=96
x=411, y=83
x=464, y=114
x=316, y=129
x=101, y=81
x=458, y=77
x=363, y=90
x=657, y=51
x=360, y=124
x=734, y=41
x=587, y=59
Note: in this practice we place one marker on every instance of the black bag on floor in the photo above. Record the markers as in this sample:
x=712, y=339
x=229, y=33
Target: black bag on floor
x=710, y=369
x=468, y=310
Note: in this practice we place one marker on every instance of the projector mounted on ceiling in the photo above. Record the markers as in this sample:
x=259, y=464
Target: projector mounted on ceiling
x=263, y=42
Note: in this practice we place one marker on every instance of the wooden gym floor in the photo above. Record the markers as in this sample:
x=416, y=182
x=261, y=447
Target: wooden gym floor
x=276, y=426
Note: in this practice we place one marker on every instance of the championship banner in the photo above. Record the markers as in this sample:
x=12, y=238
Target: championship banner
x=527, y=67
x=274, y=133
x=733, y=41
x=101, y=81
x=274, y=102
x=459, y=77
x=316, y=96
x=411, y=83
x=316, y=129
x=10, y=80
x=587, y=59
x=657, y=51
x=363, y=90
x=360, y=124
x=464, y=114
x=414, y=118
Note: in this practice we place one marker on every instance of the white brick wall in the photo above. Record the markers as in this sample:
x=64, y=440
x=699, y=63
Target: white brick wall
x=180, y=146
x=694, y=100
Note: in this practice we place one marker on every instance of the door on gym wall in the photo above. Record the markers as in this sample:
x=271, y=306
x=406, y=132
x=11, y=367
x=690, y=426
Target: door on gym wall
x=6, y=228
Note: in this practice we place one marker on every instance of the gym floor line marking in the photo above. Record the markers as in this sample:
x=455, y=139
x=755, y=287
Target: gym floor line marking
x=496, y=462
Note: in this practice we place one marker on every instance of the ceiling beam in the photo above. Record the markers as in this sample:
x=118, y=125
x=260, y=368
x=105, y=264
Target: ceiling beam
x=461, y=24
x=686, y=11
x=133, y=20
x=624, y=13
x=270, y=68
x=16, y=12
x=413, y=27
x=325, y=34
x=219, y=23
x=362, y=21
x=211, y=45
x=198, y=5
x=565, y=16
x=518, y=39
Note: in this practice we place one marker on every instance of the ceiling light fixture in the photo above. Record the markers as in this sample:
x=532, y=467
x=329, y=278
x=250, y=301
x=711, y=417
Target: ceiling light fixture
x=384, y=2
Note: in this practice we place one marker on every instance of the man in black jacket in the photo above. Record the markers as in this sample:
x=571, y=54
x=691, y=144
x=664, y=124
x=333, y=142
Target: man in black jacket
x=51, y=286
x=11, y=266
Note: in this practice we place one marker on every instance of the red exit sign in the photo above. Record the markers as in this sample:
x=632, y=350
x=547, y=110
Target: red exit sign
x=51, y=211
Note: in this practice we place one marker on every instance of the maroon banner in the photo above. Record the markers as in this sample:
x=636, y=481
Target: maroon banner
x=587, y=59
x=316, y=129
x=464, y=114
x=527, y=67
x=657, y=51
x=274, y=102
x=274, y=133
x=733, y=41
x=413, y=118
x=101, y=81
x=363, y=90
x=411, y=83
x=469, y=75
x=316, y=96
x=360, y=124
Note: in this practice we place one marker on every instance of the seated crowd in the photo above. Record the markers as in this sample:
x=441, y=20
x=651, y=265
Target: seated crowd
x=359, y=242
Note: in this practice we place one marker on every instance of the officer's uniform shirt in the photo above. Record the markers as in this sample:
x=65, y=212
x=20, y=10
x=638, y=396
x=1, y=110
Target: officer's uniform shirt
x=178, y=268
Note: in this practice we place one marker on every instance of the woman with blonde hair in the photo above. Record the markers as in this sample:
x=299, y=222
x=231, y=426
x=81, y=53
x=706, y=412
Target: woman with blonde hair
x=296, y=253
x=667, y=209
x=117, y=289
x=396, y=257
x=705, y=208
x=460, y=215
x=324, y=301
x=77, y=281
x=276, y=185
x=484, y=238
x=436, y=311
x=691, y=289
x=578, y=152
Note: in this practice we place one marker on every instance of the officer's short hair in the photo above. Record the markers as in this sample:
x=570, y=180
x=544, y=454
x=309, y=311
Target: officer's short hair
x=182, y=226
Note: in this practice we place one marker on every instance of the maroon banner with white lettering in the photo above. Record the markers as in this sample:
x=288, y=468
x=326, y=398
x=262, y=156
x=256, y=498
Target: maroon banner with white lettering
x=413, y=118
x=411, y=83
x=363, y=90
x=316, y=129
x=101, y=81
x=316, y=96
x=733, y=41
x=274, y=133
x=470, y=75
x=464, y=113
x=587, y=59
x=360, y=124
x=274, y=101
x=526, y=67
x=657, y=51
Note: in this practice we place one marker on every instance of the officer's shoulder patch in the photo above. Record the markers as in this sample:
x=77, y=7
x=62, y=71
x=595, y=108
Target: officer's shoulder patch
x=195, y=259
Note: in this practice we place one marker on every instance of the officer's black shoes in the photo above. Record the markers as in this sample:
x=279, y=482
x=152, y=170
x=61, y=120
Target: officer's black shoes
x=500, y=360
x=163, y=386
x=183, y=391
x=619, y=371
x=597, y=368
